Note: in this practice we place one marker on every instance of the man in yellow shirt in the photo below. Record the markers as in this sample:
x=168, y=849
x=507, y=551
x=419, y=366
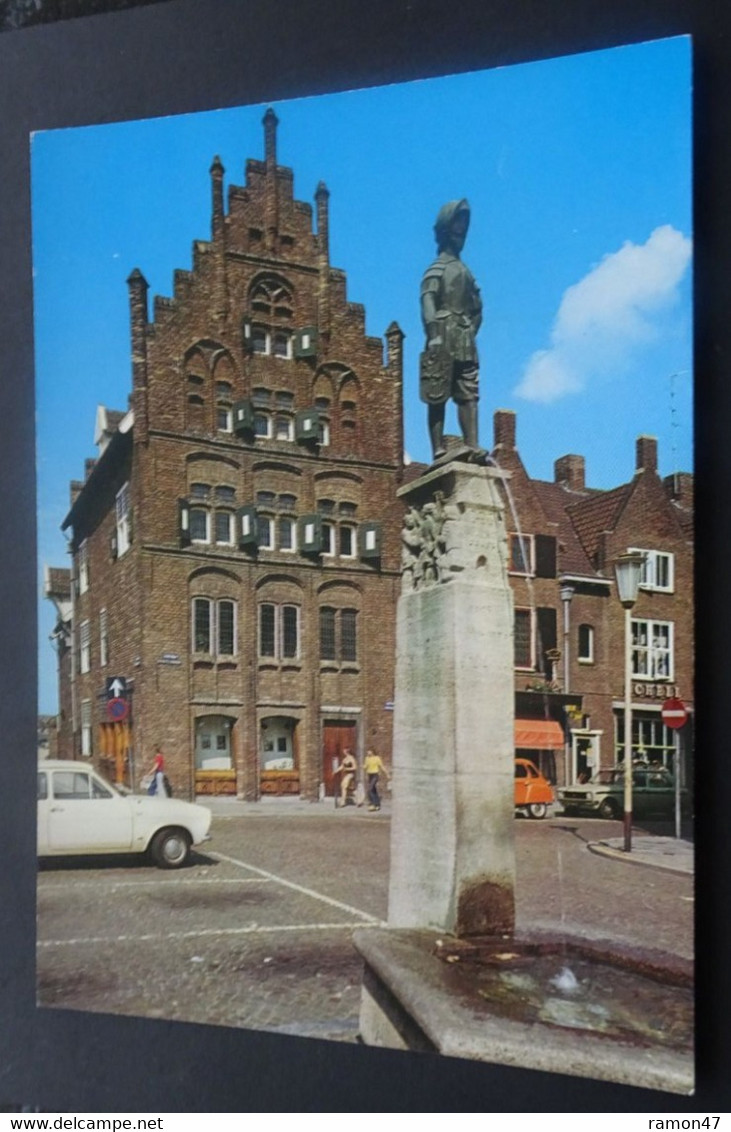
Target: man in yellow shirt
x=372, y=767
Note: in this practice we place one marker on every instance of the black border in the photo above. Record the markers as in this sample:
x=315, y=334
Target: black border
x=187, y=55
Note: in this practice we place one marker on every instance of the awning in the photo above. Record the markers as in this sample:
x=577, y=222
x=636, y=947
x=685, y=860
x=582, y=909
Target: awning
x=539, y=734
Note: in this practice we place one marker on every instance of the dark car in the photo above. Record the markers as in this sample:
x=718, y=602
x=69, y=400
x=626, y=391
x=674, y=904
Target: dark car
x=653, y=793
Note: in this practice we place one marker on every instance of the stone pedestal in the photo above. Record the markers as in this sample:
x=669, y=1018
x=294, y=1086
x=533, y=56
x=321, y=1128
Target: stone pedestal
x=452, y=854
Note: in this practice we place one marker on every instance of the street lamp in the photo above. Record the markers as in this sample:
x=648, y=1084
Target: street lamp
x=627, y=570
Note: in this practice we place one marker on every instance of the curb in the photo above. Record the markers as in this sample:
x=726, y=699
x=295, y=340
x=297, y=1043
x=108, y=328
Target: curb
x=603, y=849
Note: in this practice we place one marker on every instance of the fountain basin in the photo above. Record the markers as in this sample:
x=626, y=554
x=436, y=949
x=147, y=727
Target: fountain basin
x=583, y=1008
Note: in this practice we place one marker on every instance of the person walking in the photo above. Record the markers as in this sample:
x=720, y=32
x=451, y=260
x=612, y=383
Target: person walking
x=157, y=785
x=347, y=770
x=373, y=767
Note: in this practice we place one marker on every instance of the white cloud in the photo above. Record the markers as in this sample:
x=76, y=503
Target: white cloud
x=608, y=314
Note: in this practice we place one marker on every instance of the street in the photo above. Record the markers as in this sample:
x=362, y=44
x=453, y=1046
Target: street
x=256, y=931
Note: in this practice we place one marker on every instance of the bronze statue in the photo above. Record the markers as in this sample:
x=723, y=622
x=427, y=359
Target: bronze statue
x=451, y=311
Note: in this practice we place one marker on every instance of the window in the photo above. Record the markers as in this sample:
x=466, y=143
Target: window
x=328, y=541
x=287, y=533
x=103, y=639
x=85, y=732
x=200, y=530
x=279, y=631
x=262, y=425
x=282, y=345
x=586, y=644
x=225, y=494
x=85, y=646
x=520, y=550
x=338, y=634
x=83, y=567
x=259, y=340
x=264, y=532
x=122, y=509
x=652, y=649
x=224, y=418
x=658, y=571
x=524, y=656
x=214, y=626
x=347, y=542
x=327, y=633
x=200, y=490
x=224, y=527
x=652, y=741
x=283, y=428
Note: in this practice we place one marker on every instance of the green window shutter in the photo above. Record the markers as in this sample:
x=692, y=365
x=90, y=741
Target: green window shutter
x=243, y=417
x=545, y=556
x=305, y=342
x=246, y=527
x=370, y=538
x=309, y=531
x=184, y=522
x=307, y=426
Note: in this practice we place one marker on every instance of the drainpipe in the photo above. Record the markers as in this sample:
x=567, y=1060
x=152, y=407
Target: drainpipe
x=566, y=593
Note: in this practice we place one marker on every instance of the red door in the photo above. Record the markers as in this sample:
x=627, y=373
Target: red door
x=335, y=738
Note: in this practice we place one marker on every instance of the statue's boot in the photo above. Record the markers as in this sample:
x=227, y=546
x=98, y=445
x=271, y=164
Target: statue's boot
x=436, y=430
x=468, y=423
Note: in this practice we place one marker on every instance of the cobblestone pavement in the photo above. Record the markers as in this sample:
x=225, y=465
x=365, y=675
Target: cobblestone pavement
x=256, y=932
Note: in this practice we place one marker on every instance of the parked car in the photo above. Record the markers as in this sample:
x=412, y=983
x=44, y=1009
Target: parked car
x=653, y=793
x=533, y=792
x=79, y=812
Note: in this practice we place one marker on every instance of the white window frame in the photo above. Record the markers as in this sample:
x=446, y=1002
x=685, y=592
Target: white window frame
x=288, y=343
x=651, y=569
x=256, y=330
x=281, y=419
x=260, y=521
x=278, y=632
x=122, y=513
x=83, y=560
x=329, y=531
x=225, y=412
x=103, y=639
x=532, y=621
x=266, y=418
x=293, y=531
x=528, y=552
x=651, y=651
x=205, y=511
x=228, y=540
x=214, y=626
x=588, y=657
x=85, y=646
x=353, y=540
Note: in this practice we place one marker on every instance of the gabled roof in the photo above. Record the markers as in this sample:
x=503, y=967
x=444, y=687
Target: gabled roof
x=556, y=500
x=597, y=513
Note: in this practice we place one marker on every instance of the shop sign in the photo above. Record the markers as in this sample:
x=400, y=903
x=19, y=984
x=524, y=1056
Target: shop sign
x=656, y=691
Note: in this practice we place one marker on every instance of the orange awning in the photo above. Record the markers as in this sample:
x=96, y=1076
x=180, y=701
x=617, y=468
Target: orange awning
x=539, y=734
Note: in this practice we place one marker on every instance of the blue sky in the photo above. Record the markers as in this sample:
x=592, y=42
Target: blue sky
x=578, y=171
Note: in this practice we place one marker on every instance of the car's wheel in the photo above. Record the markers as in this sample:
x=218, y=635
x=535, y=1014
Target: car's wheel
x=609, y=809
x=169, y=848
x=537, y=810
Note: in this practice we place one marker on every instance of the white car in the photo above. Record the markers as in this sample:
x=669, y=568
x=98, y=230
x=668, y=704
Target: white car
x=79, y=812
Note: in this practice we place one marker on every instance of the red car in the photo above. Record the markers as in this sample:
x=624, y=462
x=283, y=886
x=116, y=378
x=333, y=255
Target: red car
x=533, y=792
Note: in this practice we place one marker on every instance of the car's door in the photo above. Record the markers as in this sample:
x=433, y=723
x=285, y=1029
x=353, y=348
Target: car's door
x=661, y=792
x=43, y=806
x=85, y=815
x=521, y=784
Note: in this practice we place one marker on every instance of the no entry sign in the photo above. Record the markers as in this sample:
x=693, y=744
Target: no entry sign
x=674, y=713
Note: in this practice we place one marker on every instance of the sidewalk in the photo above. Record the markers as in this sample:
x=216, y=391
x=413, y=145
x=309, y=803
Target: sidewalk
x=669, y=853
x=227, y=807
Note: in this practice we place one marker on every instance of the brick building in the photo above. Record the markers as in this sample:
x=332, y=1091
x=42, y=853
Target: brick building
x=564, y=538
x=235, y=543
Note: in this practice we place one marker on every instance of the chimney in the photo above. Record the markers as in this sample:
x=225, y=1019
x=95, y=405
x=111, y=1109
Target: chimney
x=322, y=195
x=570, y=472
x=271, y=122
x=504, y=428
x=646, y=454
